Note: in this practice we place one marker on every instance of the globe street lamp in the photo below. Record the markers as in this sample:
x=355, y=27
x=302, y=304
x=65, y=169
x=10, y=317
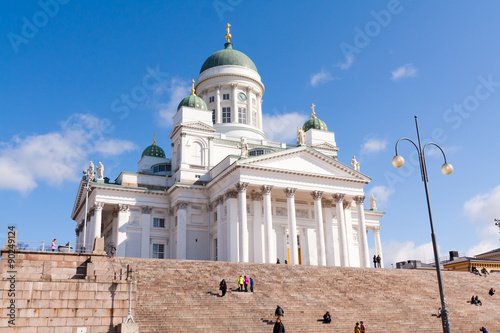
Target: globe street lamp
x=446, y=168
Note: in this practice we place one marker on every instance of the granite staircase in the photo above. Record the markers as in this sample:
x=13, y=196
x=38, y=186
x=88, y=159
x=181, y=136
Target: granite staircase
x=183, y=296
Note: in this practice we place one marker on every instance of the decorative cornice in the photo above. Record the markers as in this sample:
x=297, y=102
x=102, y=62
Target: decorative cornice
x=266, y=189
x=290, y=192
x=347, y=204
x=231, y=194
x=338, y=197
x=256, y=196
x=98, y=205
x=359, y=199
x=241, y=187
x=123, y=207
x=325, y=203
x=146, y=210
x=220, y=200
x=181, y=205
x=317, y=195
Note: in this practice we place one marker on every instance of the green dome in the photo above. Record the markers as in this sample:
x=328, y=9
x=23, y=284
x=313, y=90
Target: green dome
x=228, y=56
x=315, y=123
x=154, y=151
x=193, y=101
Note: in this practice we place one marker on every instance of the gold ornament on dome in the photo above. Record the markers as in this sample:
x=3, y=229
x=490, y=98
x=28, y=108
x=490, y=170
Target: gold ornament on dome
x=313, y=113
x=228, y=35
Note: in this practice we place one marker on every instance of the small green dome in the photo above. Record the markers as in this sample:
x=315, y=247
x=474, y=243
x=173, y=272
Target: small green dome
x=193, y=101
x=154, y=151
x=315, y=123
x=228, y=56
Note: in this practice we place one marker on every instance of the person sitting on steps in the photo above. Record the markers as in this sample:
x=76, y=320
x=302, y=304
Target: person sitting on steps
x=473, y=300
x=478, y=301
x=491, y=292
x=484, y=271
x=327, y=318
x=475, y=271
x=279, y=312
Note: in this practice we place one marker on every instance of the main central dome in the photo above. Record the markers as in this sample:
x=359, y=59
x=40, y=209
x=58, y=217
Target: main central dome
x=228, y=56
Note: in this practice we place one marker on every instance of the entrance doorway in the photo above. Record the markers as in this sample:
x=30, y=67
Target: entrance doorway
x=298, y=247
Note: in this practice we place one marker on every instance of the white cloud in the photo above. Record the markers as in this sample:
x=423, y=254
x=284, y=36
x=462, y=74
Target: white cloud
x=321, y=78
x=373, y=145
x=349, y=60
x=175, y=90
x=481, y=211
x=404, y=71
x=402, y=251
x=57, y=156
x=283, y=127
x=381, y=193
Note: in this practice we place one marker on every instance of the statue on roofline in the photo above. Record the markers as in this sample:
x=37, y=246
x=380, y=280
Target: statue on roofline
x=373, y=205
x=355, y=163
x=100, y=171
x=301, y=136
x=244, y=148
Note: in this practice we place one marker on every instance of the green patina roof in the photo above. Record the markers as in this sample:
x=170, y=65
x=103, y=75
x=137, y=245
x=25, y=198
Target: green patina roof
x=228, y=56
x=315, y=123
x=154, y=151
x=193, y=101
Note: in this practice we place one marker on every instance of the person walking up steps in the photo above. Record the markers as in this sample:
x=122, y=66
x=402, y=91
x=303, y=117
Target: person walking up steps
x=240, y=283
x=251, y=285
x=357, y=329
x=53, y=246
x=245, y=280
x=362, y=327
x=279, y=312
x=278, y=327
x=223, y=287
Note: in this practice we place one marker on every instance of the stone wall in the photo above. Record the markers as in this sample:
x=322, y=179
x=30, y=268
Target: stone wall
x=52, y=292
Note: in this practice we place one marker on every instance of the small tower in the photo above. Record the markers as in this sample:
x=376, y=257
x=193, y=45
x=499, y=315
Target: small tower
x=318, y=136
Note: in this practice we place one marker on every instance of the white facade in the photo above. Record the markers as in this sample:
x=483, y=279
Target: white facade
x=211, y=201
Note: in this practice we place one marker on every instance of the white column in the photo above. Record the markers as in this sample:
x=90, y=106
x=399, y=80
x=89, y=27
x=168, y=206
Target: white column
x=320, y=234
x=121, y=230
x=268, y=224
x=221, y=239
x=234, y=104
x=292, y=225
x=258, y=251
x=364, y=257
x=114, y=227
x=146, y=231
x=259, y=111
x=181, y=229
x=232, y=225
x=249, y=106
x=349, y=234
x=98, y=221
x=327, y=216
x=338, y=198
x=242, y=198
x=378, y=245
x=218, y=109
x=90, y=232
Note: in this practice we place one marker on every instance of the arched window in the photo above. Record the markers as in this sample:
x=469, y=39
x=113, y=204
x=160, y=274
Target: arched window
x=196, y=154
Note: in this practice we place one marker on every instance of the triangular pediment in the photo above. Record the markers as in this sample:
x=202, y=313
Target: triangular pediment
x=195, y=125
x=304, y=161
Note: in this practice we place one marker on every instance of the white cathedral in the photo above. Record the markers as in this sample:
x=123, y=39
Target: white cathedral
x=227, y=193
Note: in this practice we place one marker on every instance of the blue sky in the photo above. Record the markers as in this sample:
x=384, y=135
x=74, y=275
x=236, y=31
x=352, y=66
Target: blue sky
x=369, y=67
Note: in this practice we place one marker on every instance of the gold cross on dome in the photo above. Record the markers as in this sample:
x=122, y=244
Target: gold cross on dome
x=192, y=88
x=314, y=113
x=228, y=35
x=154, y=138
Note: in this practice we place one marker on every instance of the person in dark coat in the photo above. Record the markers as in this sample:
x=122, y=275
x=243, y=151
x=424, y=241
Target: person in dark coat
x=278, y=327
x=327, y=319
x=482, y=329
x=223, y=287
x=279, y=312
x=379, y=261
x=375, y=261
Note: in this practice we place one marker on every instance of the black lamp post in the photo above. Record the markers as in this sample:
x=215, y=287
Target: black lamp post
x=446, y=168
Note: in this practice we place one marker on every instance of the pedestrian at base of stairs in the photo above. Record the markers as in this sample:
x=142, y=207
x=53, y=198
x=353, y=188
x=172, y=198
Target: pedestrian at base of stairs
x=251, y=285
x=357, y=329
x=279, y=312
x=278, y=327
x=483, y=329
x=362, y=327
x=240, y=283
x=245, y=280
x=223, y=287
